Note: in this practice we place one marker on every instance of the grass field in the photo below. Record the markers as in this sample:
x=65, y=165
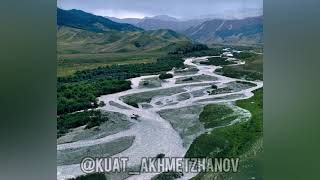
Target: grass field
x=231, y=141
x=70, y=63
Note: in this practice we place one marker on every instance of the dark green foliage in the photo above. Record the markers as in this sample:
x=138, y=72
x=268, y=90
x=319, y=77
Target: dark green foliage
x=96, y=176
x=168, y=176
x=237, y=72
x=213, y=86
x=82, y=20
x=82, y=95
x=79, y=91
x=165, y=76
x=244, y=55
x=257, y=48
x=232, y=141
x=74, y=120
x=123, y=72
x=217, y=61
x=132, y=103
x=189, y=48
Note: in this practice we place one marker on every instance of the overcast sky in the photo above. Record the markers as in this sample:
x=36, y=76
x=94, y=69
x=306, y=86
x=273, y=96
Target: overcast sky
x=183, y=9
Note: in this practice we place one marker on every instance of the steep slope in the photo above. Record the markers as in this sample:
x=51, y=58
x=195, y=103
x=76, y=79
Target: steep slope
x=244, y=31
x=82, y=20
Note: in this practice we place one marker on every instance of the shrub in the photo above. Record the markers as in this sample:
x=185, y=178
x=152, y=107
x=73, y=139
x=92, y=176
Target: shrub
x=213, y=86
x=165, y=76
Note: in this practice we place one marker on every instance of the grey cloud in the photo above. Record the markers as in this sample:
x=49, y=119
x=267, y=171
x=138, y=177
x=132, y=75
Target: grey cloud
x=176, y=8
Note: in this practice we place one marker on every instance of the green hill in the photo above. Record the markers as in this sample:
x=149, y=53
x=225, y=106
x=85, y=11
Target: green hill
x=86, y=41
x=80, y=49
x=82, y=20
x=74, y=41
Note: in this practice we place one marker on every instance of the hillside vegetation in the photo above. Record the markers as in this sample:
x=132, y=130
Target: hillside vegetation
x=82, y=20
x=81, y=49
x=87, y=41
x=79, y=41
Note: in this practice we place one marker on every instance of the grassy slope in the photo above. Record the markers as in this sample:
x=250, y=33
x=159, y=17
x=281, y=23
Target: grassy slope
x=83, y=20
x=231, y=141
x=79, y=49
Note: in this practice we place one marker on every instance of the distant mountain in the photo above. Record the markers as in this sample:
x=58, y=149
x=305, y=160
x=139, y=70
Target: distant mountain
x=133, y=21
x=86, y=21
x=243, y=31
x=83, y=33
x=179, y=26
x=163, y=18
x=160, y=22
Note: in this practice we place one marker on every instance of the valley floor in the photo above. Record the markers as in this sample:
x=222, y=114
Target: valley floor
x=170, y=117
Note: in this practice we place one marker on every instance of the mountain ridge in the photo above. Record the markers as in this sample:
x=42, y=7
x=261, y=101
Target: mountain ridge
x=83, y=20
x=236, y=31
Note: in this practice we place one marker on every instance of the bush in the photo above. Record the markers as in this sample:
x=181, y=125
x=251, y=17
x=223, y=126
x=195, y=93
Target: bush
x=165, y=76
x=213, y=86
